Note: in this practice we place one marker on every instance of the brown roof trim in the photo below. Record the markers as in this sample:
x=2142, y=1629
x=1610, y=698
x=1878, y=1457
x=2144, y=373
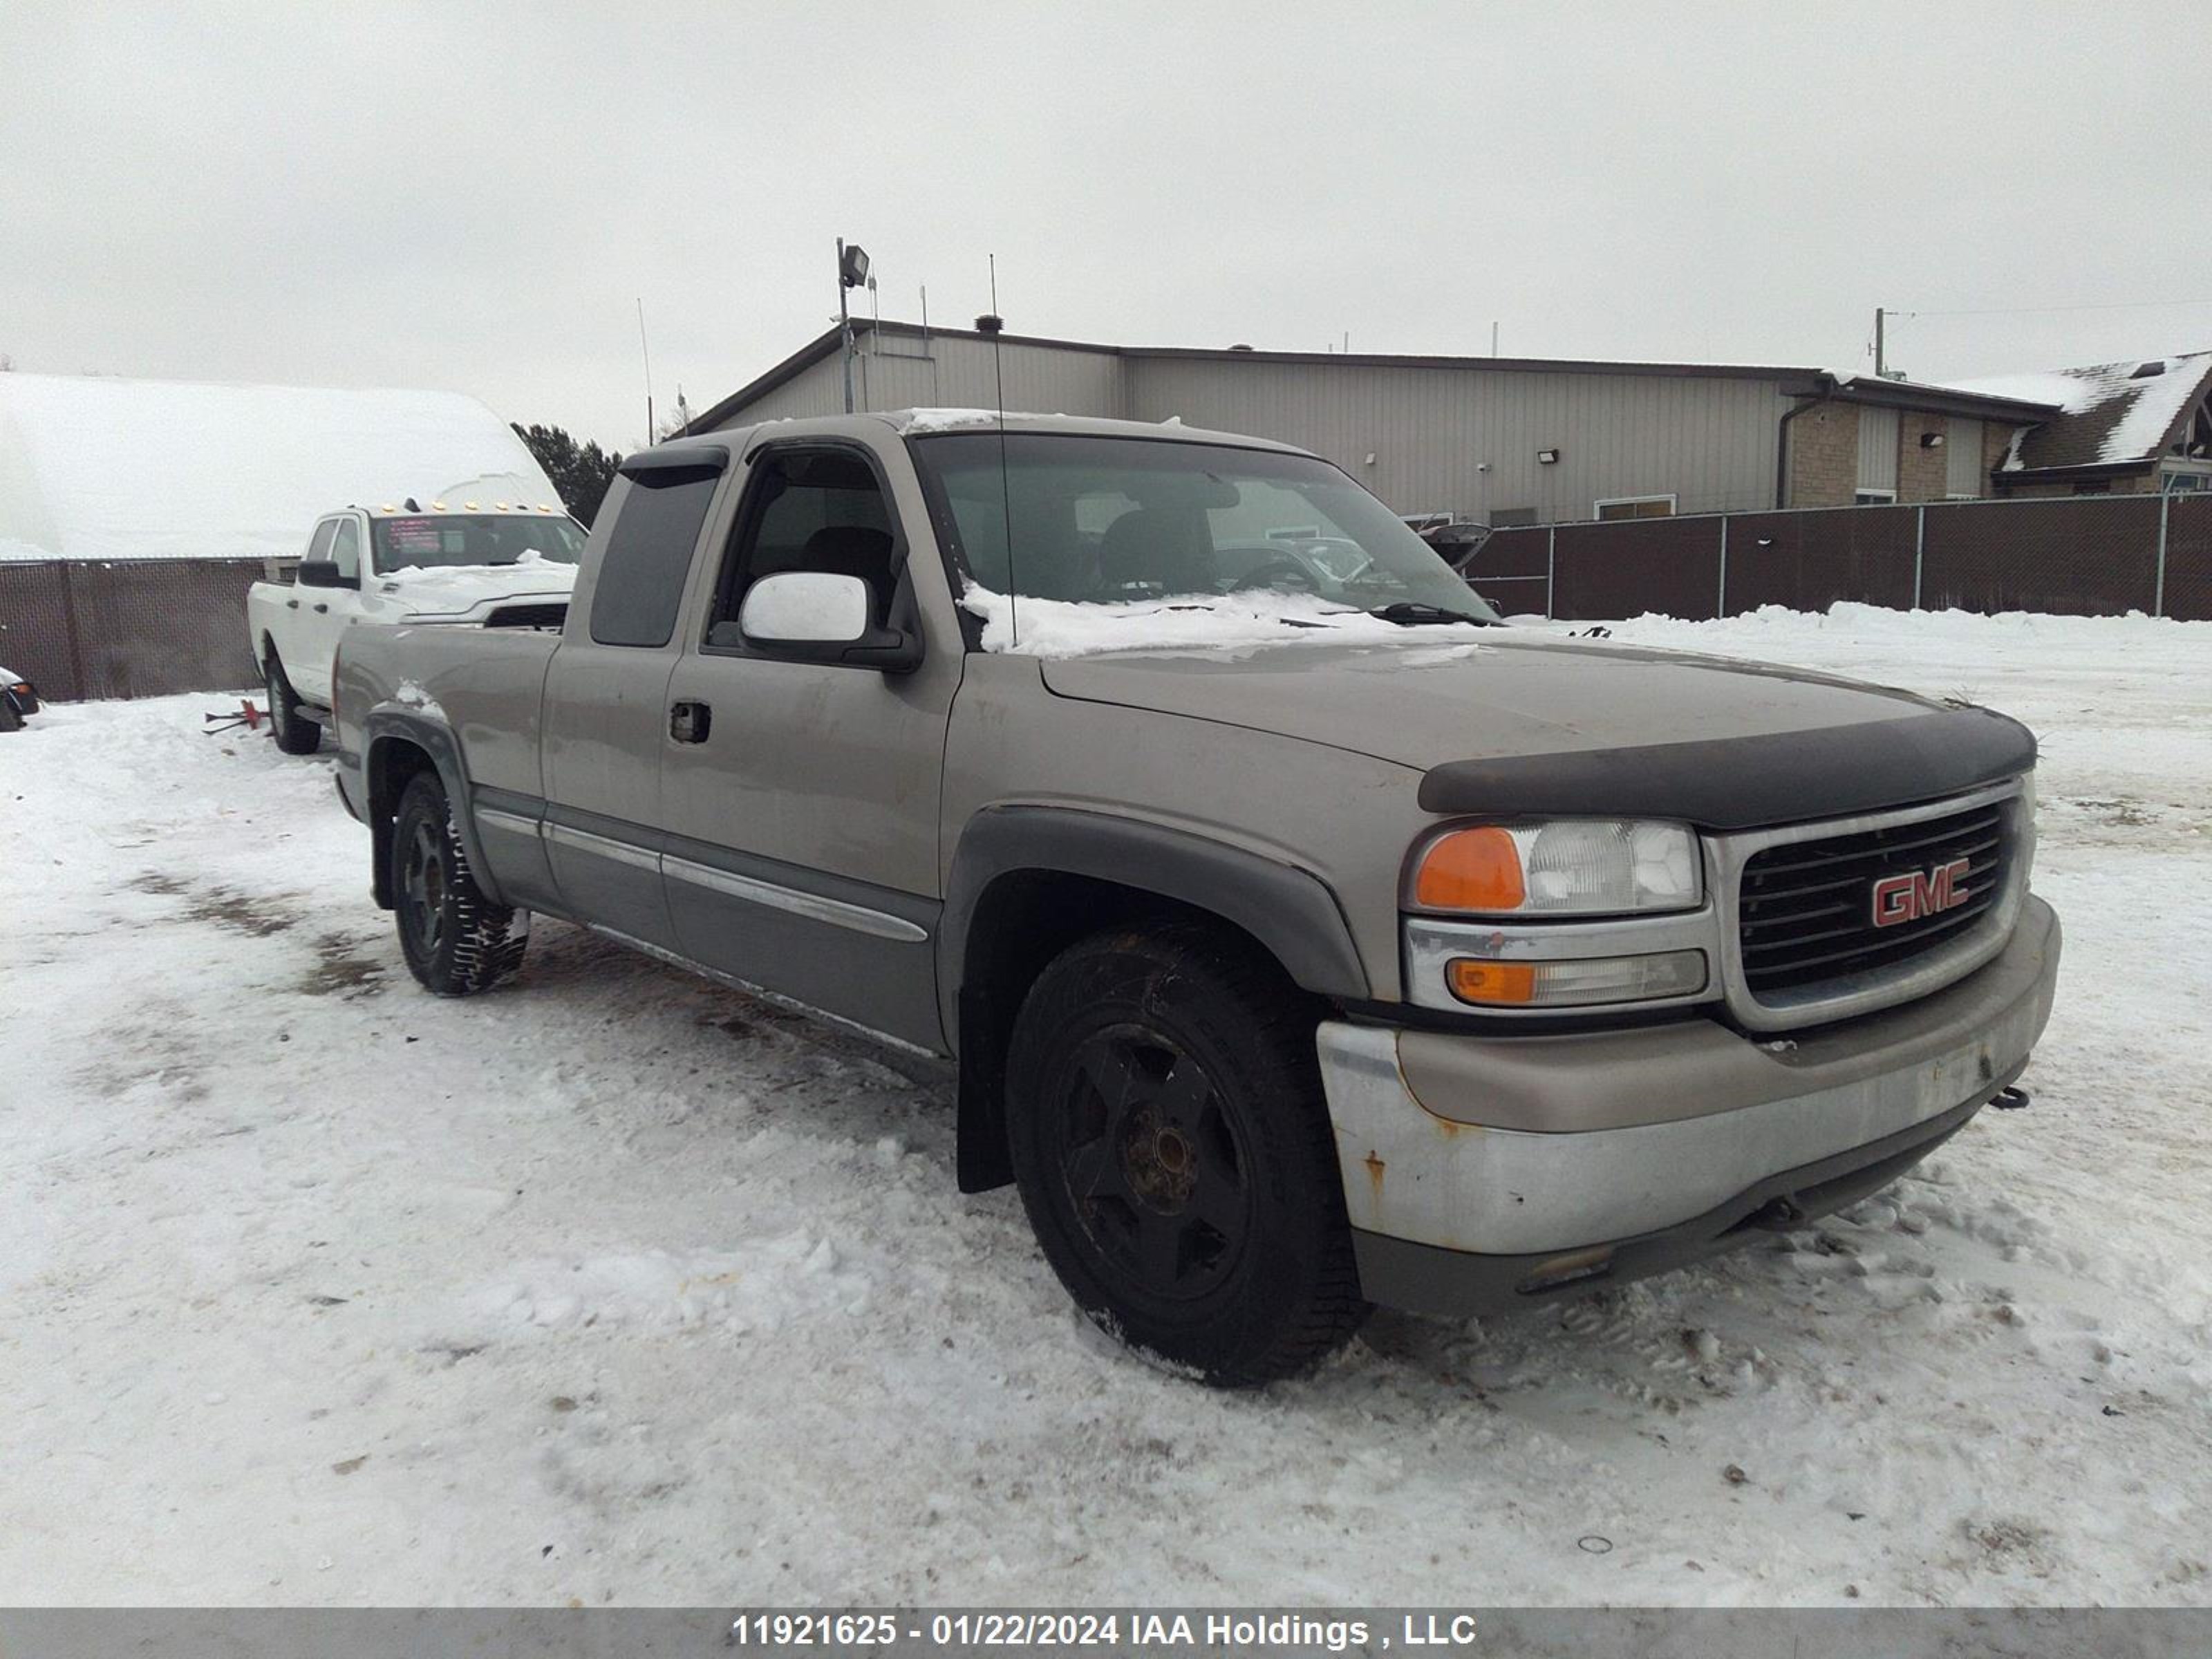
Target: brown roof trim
x=1800, y=382
x=2082, y=469
x=1943, y=400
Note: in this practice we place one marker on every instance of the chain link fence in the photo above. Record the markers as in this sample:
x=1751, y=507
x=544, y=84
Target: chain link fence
x=2072, y=555
x=139, y=627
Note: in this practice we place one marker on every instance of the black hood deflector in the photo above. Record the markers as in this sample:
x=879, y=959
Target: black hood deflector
x=1747, y=782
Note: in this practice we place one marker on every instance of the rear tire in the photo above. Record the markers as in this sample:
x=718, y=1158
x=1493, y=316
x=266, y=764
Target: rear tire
x=295, y=732
x=9, y=720
x=1168, y=1134
x=457, y=941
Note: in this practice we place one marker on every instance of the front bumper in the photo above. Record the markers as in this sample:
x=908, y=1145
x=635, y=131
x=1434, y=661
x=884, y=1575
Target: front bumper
x=1479, y=1171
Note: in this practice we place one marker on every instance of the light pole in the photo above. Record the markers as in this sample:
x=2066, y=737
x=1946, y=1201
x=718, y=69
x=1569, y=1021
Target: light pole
x=852, y=271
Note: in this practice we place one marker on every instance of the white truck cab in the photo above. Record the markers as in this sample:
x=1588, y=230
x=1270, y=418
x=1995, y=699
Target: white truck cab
x=492, y=562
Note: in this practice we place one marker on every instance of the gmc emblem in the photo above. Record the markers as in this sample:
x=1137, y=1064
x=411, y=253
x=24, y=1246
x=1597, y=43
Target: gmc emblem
x=1920, y=893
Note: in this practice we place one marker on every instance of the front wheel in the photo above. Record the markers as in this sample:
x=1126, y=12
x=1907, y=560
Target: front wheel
x=295, y=732
x=457, y=941
x=1173, y=1150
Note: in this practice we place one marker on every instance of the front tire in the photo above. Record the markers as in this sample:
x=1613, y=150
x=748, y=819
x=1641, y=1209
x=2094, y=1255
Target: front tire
x=295, y=732
x=1173, y=1150
x=457, y=941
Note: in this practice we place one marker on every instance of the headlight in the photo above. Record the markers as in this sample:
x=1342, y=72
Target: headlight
x=1565, y=867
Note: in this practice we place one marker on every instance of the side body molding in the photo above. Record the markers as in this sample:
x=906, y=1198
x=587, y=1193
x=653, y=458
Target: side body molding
x=389, y=724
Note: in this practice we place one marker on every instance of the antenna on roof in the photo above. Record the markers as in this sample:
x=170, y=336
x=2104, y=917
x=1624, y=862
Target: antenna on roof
x=647, y=354
x=990, y=325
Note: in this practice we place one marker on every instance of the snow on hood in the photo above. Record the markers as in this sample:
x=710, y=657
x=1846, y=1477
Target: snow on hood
x=442, y=590
x=1064, y=627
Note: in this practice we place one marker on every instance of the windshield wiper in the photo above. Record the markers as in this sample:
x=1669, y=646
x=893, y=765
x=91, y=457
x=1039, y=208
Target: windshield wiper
x=1413, y=613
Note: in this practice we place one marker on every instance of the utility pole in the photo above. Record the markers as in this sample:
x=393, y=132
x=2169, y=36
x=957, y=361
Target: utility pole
x=852, y=271
x=1881, y=370
x=844, y=326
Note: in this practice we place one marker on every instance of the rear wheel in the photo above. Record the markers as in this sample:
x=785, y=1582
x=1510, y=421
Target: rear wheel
x=9, y=720
x=457, y=941
x=1174, y=1152
x=295, y=732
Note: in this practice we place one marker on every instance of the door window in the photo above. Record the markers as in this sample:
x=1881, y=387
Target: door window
x=345, y=549
x=319, y=546
x=648, y=554
x=807, y=509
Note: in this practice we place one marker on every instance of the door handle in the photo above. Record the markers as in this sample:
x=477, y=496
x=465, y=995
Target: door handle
x=689, y=722
x=324, y=609
x=291, y=604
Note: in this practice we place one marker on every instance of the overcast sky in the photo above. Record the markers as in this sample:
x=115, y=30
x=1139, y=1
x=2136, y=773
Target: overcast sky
x=475, y=196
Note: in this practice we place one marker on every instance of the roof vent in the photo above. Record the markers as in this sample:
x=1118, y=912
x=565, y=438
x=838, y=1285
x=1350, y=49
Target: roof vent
x=2149, y=371
x=1240, y=346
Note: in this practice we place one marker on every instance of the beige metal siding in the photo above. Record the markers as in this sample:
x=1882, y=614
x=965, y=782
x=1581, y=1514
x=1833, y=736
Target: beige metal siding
x=1465, y=439
x=1962, y=457
x=1878, y=449
x=951, y=372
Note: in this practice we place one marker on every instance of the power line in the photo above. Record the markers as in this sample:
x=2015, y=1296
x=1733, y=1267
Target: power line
x=2023, y=311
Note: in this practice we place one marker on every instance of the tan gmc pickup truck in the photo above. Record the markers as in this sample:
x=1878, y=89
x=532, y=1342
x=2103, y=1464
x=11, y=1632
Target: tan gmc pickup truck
x=1301, y=937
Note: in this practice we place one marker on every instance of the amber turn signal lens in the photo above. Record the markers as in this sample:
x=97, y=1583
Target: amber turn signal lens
x=1471, y=869
x=1493, y=981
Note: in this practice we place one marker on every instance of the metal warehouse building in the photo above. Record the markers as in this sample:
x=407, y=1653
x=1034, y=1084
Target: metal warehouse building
x=1502, y=441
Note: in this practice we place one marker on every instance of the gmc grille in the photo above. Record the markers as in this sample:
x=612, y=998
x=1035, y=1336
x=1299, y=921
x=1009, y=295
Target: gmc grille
x=1806, y=909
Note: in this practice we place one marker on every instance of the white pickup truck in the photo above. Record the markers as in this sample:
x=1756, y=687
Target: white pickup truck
x=488, y=563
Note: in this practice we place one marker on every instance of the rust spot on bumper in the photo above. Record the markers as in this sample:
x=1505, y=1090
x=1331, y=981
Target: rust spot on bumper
x=1375, y=1168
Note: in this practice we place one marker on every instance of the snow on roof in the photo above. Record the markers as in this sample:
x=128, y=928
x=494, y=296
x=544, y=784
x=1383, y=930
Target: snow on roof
x=98, y=468
x=2111, y=412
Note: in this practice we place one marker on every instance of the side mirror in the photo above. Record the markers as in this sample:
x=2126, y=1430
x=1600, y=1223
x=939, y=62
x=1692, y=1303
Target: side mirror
x=805, y=607
x=817, y=616
x=321, y=572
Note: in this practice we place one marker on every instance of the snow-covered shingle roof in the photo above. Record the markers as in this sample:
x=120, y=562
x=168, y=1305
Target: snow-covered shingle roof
x=98, y=468
x=2112, y=414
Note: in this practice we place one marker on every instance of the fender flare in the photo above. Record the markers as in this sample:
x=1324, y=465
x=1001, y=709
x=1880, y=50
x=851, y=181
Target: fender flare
x=387, y=724
x=1290, y=911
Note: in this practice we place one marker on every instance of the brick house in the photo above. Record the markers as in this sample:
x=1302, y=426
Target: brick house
x=1872, y=442
x=2131, y=428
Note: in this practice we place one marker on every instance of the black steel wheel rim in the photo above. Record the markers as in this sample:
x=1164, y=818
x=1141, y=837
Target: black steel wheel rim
x=423, y=890
x=1154, y=1167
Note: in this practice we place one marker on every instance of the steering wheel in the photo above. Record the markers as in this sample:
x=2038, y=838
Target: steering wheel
x=1279, y=572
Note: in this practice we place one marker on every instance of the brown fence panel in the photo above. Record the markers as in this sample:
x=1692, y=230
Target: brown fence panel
x=2189, y=557
x=1672, y=566
x=1512, y=570
x=166, y=625
x=1807, y=561
x=36, y=638
x=2094, y=556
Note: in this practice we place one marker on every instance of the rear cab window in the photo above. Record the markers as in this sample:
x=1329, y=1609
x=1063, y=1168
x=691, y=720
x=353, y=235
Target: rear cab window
x=647, y=558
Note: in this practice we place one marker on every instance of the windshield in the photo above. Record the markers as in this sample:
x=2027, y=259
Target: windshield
x=446, y=540
x=1107, y=520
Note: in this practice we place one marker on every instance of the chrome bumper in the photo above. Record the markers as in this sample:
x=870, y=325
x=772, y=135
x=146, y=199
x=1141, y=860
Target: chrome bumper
x=1516, y=1145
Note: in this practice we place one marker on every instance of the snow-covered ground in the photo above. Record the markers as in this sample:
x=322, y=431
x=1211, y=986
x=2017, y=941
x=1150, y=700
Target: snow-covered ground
x=620, y=1287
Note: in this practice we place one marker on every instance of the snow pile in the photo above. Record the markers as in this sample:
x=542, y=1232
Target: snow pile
x=1063, y=627
x=94, y=468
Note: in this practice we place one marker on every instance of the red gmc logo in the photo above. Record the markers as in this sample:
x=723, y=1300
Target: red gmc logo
x=1920, y=893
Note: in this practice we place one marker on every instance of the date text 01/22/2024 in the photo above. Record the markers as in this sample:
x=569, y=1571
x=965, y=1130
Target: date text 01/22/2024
x=1137, y=1631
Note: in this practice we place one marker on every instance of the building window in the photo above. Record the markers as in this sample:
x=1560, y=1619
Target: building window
x=1503, y=518
x=1635, y=506
x=1866, y=497
x=2093, y=487
x=2184, y=483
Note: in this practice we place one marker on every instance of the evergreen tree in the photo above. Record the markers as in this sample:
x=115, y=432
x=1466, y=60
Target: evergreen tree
x=581, y=472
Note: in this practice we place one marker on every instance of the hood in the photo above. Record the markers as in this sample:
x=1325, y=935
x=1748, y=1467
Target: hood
x=1535, y=723
x=460, y=590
